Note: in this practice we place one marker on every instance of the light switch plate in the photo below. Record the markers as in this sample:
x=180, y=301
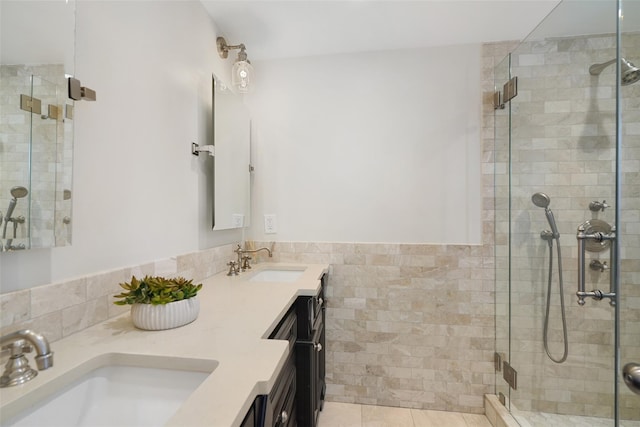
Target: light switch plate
x=270, y=224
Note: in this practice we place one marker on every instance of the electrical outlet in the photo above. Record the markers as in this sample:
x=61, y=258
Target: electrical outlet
x=237, y=220
x=270, y=224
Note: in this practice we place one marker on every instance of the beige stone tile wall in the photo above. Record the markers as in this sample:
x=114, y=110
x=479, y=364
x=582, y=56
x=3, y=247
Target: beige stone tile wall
x=60, y=309
x=408, y=325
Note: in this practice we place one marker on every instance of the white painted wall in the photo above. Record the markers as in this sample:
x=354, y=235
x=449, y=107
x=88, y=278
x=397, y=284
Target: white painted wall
x=139, y=193
x=369, y=147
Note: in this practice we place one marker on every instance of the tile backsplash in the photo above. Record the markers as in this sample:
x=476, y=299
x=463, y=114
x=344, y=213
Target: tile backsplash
x=61, y=309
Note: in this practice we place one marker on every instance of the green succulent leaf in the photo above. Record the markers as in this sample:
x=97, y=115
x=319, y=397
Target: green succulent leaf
x=156, y=290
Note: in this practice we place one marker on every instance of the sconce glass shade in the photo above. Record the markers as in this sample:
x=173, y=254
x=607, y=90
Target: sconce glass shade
x=242, y=76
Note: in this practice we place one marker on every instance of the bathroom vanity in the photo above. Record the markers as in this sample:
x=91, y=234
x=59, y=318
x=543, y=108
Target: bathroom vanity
x=298, y=394
x=251, y=379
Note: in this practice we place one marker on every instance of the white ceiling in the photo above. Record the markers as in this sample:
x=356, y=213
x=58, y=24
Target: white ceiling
x=294, y=28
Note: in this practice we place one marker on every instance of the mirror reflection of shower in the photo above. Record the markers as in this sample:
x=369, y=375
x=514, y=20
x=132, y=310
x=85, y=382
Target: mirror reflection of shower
x=17, y=192
x=629, y=73
x=541, y=200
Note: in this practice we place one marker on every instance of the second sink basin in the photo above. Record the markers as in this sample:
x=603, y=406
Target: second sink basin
x=277, y=275
x=117, y=394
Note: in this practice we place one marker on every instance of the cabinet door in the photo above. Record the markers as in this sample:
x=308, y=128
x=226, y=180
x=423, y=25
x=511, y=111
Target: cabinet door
x=309, y=355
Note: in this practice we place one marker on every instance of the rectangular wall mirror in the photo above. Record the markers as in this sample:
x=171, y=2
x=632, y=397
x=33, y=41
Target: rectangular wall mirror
x=231, y=162
x=36, y=148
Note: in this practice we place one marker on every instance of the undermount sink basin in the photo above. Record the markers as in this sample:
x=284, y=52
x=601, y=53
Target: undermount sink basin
x=277, y=275
x=118, y=390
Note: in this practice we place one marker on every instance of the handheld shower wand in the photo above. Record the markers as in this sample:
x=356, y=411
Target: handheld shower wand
x=541, y=200
x=17, y=192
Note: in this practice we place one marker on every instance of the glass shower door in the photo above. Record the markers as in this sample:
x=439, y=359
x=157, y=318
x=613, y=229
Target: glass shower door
x=629, y=218
x=562, y=174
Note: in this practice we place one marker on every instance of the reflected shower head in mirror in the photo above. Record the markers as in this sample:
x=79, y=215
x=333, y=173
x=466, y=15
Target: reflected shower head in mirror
x=541, y=200
x=629, y=73
x=17, y=192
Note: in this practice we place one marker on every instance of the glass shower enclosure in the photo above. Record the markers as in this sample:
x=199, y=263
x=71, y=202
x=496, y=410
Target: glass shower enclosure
x=567, y=218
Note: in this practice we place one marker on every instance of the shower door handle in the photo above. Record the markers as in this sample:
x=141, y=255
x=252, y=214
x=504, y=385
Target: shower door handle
x=631, y=375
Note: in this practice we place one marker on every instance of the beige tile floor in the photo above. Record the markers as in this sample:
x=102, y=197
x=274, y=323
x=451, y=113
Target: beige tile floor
x=337, y=414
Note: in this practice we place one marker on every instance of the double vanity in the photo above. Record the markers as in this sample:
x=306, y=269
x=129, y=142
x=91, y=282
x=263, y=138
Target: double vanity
x=221, y=370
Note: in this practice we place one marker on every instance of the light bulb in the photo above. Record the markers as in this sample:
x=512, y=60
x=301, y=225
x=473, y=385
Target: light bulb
x=242, y=76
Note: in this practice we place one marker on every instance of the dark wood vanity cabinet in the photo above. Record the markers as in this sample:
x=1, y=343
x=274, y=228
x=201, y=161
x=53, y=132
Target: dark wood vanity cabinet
x=310, y=357
x=281, y=402
x=298, y=394
x=256, y=414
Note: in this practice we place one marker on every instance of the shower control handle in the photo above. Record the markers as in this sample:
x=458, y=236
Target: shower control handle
x=583, y=236
x=631, y=376
x=597, y=206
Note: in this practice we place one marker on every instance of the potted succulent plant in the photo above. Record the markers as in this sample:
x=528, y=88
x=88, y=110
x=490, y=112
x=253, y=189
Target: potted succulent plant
x=159, y=303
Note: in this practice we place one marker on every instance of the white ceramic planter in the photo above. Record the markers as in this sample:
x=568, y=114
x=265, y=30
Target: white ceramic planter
x=165, y=316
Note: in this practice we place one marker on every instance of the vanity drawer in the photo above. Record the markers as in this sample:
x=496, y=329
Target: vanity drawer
x=309, y=309
x=287, y=329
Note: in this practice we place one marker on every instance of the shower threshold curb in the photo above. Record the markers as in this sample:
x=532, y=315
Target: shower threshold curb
x=497, y=413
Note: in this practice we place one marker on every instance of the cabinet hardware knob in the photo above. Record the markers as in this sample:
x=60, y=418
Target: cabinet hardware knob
x=284, y=417
x=318, y=347
x=320, y=301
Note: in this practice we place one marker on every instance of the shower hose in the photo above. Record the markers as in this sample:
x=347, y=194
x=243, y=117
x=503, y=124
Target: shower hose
x=546, y=317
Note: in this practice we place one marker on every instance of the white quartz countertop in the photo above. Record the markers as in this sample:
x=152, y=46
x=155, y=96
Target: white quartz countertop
x=236, y=317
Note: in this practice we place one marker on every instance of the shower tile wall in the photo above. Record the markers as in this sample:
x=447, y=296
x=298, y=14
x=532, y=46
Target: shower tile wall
x=563, y=130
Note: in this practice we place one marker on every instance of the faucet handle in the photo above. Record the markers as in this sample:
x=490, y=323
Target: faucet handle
x=245, y=262
x=233, y=268
x=18, y=348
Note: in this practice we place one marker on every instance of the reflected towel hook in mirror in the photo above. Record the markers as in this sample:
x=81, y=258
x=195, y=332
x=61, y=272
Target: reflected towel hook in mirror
x=77, y=92
x=242, y=71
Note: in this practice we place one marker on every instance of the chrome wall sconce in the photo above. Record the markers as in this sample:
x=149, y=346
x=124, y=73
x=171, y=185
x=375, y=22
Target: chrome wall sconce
x=242, y=71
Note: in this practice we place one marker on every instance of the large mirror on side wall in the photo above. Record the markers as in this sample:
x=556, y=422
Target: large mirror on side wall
x=37, y=41
x=232, y=158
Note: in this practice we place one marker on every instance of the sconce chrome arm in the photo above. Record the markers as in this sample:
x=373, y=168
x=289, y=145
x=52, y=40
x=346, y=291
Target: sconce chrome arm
x=224, y=47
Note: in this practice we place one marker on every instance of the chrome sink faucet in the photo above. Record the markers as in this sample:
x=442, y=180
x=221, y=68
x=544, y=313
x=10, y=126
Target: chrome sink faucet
x=17, y=370
x=243, y=258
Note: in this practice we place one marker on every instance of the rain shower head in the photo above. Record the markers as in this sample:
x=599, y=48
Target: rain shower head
x=629, y=73
x=541, y=200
